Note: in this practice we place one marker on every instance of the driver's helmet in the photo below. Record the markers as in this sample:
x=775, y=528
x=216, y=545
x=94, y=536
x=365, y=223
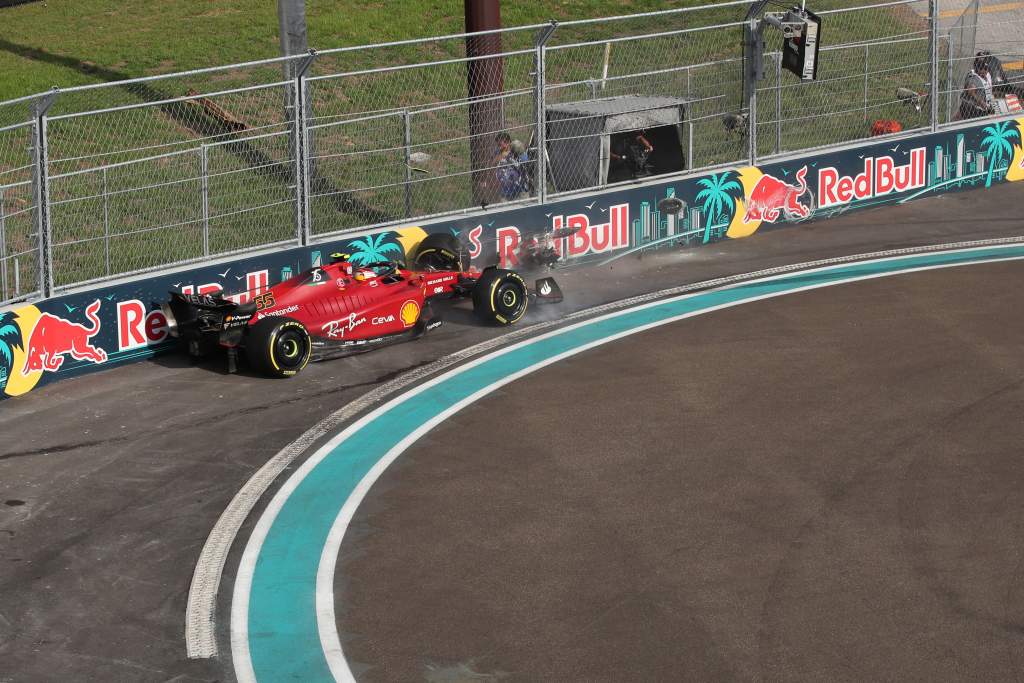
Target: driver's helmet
x=364, y=274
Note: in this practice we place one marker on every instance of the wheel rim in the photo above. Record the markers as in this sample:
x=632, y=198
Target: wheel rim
x=509, y=300
x=290, y=349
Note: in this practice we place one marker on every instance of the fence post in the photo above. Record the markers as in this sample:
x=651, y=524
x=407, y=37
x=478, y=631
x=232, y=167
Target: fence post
x=933, y=59
x=778, y=102
x=106, y=224
x=866, y=58
x=407, y=137
x=3, y=249
x=204, y=172
x=752, y=64
x=302, y=147
x=949, y=79
x=41, y=181
x=539, y=104
x=689, y=143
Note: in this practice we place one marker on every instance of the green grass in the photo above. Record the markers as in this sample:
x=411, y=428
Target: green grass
x=94, y=41
x=65, y=43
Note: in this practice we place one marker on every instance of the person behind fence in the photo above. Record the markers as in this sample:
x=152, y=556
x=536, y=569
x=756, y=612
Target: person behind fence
x=630, y=155
x=977, y=99
x=510, y=167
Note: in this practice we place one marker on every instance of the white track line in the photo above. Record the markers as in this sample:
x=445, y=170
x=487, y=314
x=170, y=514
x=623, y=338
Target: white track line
x=327, y=624
x=200, y=633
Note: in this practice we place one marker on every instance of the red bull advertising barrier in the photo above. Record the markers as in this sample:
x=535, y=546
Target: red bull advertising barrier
x=106, y=326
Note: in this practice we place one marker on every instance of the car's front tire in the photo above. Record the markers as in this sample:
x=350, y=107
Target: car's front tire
x=278, y=347
x=500, y=296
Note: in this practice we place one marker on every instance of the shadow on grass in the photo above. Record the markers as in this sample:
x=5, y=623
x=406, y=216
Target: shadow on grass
x=197, y=119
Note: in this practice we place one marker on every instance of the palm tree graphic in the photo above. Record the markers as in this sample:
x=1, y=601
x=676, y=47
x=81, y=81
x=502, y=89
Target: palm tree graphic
x=996, y=145
x=10, y=339
x=372, y=249
x=718, y=203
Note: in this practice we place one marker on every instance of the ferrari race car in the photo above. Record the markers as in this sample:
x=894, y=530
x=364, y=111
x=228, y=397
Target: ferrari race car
x=343, y=308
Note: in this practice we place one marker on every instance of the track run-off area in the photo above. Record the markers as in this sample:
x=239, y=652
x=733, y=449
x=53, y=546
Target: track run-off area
x=283, y=619
x=145, y=504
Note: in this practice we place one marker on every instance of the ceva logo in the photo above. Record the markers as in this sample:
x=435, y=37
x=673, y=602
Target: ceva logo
x=881, y=176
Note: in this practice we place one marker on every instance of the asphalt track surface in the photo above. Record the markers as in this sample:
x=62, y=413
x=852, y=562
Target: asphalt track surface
x=109, y=485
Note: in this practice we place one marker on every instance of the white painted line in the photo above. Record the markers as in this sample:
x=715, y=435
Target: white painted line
x=200, y=638
x=326, y=618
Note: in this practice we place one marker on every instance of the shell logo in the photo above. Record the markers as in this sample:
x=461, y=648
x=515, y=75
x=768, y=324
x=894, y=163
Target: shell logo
x=409, y=313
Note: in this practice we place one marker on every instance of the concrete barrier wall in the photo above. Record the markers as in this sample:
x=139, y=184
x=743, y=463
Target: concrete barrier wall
x=120, y=322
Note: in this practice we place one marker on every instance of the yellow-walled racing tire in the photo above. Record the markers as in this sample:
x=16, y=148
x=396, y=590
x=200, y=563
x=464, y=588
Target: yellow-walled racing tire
x=441, y=251
x=500, y=296
x=278, y=347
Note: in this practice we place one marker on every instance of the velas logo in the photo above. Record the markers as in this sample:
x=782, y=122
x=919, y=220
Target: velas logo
x=879, y=176
x=771, y=197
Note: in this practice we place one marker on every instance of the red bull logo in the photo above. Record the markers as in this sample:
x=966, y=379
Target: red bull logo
x=880, y=176
x=52, y=338
x=772, y=197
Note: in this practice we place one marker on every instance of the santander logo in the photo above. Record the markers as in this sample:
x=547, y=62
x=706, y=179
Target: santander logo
x=881, y=176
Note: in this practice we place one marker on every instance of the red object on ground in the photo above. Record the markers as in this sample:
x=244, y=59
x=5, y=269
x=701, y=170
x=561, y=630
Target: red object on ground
x=885, y=127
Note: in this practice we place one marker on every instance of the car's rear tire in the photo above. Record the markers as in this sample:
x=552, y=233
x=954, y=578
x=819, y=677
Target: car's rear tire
x=278, y=347
x=500, y=296
x=441, y=251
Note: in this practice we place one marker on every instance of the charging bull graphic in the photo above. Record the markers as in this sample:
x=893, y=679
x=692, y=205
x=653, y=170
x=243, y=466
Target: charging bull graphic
x=770, y=197
x=54, y=337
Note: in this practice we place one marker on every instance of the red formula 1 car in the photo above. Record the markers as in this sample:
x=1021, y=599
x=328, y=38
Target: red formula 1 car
x=343, y=308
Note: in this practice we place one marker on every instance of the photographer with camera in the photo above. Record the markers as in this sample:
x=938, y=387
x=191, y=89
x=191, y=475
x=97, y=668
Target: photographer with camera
x=630, y=156
x=977, y=98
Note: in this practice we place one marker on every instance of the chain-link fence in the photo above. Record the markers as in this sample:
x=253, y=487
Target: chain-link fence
x=20, y=244
x=123, y=177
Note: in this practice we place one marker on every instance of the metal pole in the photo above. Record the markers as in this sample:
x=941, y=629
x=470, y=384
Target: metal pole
x=298, y=151
x=866, y=48
x=106, y=224
x=949, y=79
x=291, y=18
x=540, y=104
x=407, y=123
x=752, y=71
x=485, y=79
x=41, y=179
x=3, y=248
x=304, y=161
x=204, y=173
x=778, y=102
x=933, y=51
x=689, y=144
x=604, y=69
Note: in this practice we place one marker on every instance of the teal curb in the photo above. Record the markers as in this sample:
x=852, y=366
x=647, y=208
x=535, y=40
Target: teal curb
x=284, y=641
